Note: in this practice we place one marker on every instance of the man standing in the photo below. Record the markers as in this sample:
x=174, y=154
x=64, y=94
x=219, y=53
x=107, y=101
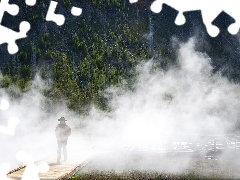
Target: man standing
x=63, y=131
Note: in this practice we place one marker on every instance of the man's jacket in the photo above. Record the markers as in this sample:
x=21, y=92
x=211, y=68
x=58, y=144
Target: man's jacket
x=63, y=131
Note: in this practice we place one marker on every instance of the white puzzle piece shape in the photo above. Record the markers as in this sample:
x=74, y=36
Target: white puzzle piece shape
x=32, y=170
x=133, y=1
x=4, y=105
x=7, y=35
x=76, y=11
x=59, y=19
x=30, y=2
x=4, y=169
x=12, y=9
x=10, y=129
x=209, y=10
x=12, y=121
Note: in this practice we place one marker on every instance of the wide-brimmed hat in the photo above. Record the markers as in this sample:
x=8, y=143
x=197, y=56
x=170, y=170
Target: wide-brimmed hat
x=62, y=119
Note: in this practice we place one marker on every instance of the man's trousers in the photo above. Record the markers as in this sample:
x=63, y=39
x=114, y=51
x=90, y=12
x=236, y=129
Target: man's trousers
x=62, y=145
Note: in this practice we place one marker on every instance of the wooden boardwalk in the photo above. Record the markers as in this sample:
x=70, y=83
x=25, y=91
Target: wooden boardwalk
x=60, y=171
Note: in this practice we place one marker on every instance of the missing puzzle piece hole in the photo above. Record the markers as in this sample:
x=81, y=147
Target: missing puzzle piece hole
x=4, y=105
x=30, y=2
x=24, y=26
x=51, y=16
x=233, y=29
x=22, y=156
x=156, y=6
x=133, y=1
x=32, y=169
x=76, y=11
x=180, y=20
x=213, y=31
x=4, y=169
x=14, y=10
x=10, y=130
x=12, y=49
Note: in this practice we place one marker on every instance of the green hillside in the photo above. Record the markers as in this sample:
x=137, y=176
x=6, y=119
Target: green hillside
x=100, y=48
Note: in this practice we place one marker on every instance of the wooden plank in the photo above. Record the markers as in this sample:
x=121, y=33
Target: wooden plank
x=56, y=171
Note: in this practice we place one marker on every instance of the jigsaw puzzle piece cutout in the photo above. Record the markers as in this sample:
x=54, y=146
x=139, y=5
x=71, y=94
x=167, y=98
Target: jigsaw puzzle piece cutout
x=180, y=19
x=181, y=7
x=10, y=129
x=12, y=121
x=12, y=9
x=76, y=11
x=208, y=13
x=32, y=170
x=133, y=1
x=232, y=9
x=234, y=28
x=59, y=19
x=4, y=105
x=9, y=36
x=4, y=169
x=30, y=2
x=156, y=6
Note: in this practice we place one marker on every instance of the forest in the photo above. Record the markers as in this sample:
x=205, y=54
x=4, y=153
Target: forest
x=99, y=49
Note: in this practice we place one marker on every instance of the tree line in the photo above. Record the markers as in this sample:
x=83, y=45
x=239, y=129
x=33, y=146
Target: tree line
x=90, y=53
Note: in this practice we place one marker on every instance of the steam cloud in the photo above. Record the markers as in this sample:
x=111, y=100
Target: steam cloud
x=183, y=103
x=186, y=101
